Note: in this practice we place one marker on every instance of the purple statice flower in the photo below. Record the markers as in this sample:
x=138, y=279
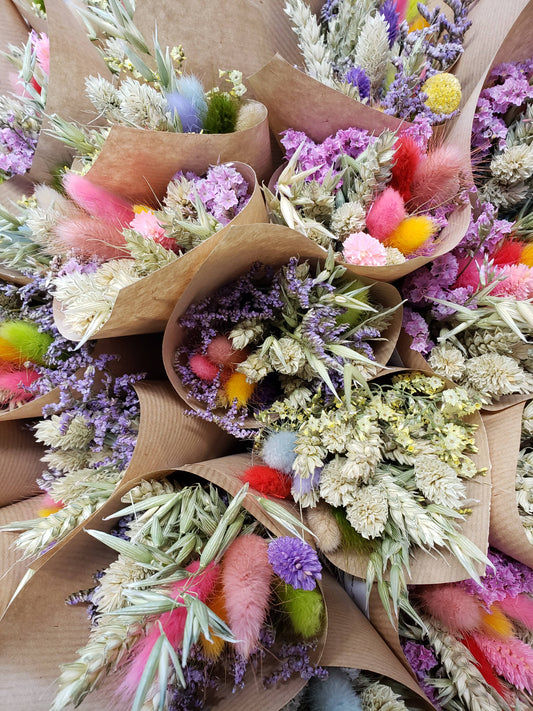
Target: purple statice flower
x=201, y=678
x=295, y=562
x=223, y=191
x=296, y=660
x=392, y=17
x=357, y=77
x=415, y=326
x=16, y=150
x=421, y=658
x=508, y=578
x=484, y=233
x=329, y=9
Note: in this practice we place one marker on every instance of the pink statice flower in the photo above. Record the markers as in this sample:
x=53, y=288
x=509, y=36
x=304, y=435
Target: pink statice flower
x=41, y=46
x=360, y=248
x=147, y=224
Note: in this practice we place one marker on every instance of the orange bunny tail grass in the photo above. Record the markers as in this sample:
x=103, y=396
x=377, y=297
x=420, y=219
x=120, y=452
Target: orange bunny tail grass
x=9, y=354
x=452, y=606
x=246, y=576
x=437, y=178
x=496, y=624
x=526, y=257
x=411, y=234
x=98, y=201
x=217, y=604
x=91, y=237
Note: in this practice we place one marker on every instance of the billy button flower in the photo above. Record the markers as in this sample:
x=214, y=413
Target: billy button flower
x=443, y=93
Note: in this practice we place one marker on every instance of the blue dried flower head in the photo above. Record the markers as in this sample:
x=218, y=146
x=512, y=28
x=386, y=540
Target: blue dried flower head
x=357, y=77
x=188, y=101
x=278, y=451
x=295, y=562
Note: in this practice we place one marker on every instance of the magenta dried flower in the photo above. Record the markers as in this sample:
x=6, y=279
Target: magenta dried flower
x=295, y=562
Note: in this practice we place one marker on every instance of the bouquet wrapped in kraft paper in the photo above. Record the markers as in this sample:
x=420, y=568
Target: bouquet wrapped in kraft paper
x=230, y=648
x=508, y=432
x=158, y=252
x=258, y=325
x=106, y=442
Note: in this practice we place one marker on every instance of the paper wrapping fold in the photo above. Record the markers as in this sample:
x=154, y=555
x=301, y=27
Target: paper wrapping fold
x=233, y=256
x=241, y=34
x=72, y=59
x=13, y=30
x=138, y=164
x=354, y=643
x=45, y=632
x=20, y=462
x=34, y=21
x=146, y=305
x=12, y=569
x=506, y=531
x=136, y=354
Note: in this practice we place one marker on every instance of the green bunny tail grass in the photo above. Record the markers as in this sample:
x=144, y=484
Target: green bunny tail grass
x=221, y=116
x=26, y=338
x=305, y=609
x=351, y=540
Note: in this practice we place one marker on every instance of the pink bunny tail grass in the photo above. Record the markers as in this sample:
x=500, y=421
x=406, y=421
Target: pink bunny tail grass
x=437, y=177
x=98, y=201
x=246, y=576
x=401, y=8
x=519, y=608
x=510, y=658
x=173, y=624
x=91, y=237
x=12, y=384
x=385, y=214
x=451, y=606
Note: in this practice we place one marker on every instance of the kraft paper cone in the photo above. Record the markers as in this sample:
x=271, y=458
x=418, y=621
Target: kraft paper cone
x=449, y=237
x=241, y=34
x=45, y=633
x=12, y=569
x=146, y=305
x=506, y=531
x=442, y=566
x=72, y=59
x=20, y=462
x=352, y=642
x=12, y=31
x=135, y=355
x=234, y=255
x=32, y=20
x=138, y=164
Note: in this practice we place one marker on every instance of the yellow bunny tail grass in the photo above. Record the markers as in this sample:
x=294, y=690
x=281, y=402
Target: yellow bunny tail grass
x=305, y=609
x=411, y=234
x=495, y=623
x=527, y=255
x=238, y=388
x=25, y=337
x=216, y=603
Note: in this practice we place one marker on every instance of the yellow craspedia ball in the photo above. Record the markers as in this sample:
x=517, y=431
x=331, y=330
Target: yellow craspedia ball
x=526, y=256
x=443, y=93
x=238, y=388
x=411, y=233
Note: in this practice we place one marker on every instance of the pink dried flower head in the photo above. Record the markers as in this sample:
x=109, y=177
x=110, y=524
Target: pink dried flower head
x=452, y=606
x=90, y=237
x=437, y=177
x=13, y=384
x=147, y=225
x=97, y=201
x=518, y=282
x=360, y=248
x=203, y=367
x=385, y=214
x=42, y=52
x=510, y=658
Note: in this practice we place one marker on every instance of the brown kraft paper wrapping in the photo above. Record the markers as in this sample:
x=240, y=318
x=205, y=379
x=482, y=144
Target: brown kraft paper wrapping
x=136, y=354
x=138, y=164
x=241, y=34
x=506, y=531
x=12, y=31
x=72, y=59
x=32, y=20
x=352, y=642
x=234, y=255
x=146, y=305
x=12, y=569
x=66, y=628
x=20, y=462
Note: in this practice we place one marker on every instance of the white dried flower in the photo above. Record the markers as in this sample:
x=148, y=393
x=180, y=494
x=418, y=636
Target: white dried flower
x=447, y=361
x=142, y=106
x=493, y=375
x=394, y=256
x=255, y=367
x=438, y=481
x=368, y=510
x=514, y=164
x=104, y=96
x=527, y=420
x=109, y=594
x=286, y=356
x=348, y=219
x=245, y=333
x=380, y=697
x=337, y=485
x=77, y=435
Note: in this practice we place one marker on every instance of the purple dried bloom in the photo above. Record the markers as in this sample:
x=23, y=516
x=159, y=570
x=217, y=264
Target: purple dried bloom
x=421, y=658
x=392, y=17
x=296, y=659
x=304, y=485
x=329, y=9
x=223, y=191
x=416, y=327
x=357, y=77
x=189, y=115
x=295, y=562
x=509, y=578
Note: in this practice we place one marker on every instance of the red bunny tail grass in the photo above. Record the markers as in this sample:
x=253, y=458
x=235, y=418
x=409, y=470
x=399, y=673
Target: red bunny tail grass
x=98, y=201
x=407, y=156
x=268, y=481
x=246, y=576
x=173, y=624
x=451, y=606
x=483, y=664
x=509, y=253
x=91, y=237
x=437, y=178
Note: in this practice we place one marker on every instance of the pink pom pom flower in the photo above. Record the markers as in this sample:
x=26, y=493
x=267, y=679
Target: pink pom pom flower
x=360, y=248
